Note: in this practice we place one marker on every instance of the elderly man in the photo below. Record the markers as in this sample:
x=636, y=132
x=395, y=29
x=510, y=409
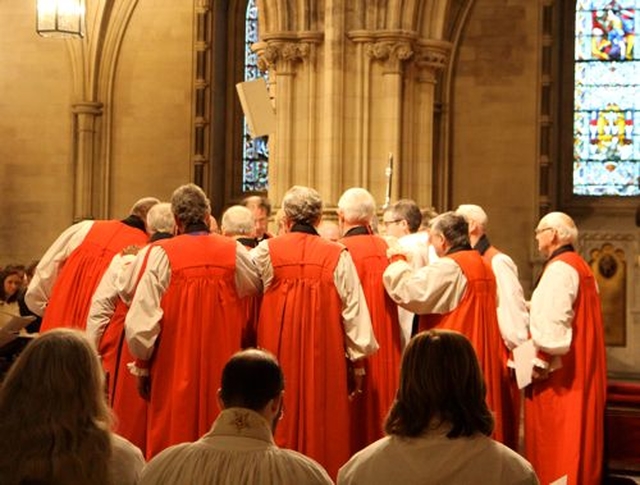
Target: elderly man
x=456, y=292
x=105, y=328
x=313, y=311
x=70, y=271
x=513, y=316
x=356, y=209
x=239, y=223
x=240, y=448
x=564, y=407
x=186, y=319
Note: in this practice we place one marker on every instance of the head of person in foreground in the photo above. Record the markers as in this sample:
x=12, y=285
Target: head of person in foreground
x=253, y=379
x=55, y=421
x=440, y=384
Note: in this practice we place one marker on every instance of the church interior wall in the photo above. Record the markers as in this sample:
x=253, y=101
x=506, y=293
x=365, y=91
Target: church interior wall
x=494, y=109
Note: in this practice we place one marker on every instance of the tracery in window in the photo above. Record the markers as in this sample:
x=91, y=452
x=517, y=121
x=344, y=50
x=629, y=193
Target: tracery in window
x=255, y=152
x=606, y=127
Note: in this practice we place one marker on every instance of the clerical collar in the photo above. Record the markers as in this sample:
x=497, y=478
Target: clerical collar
x=460, y=247
x=134, y=221
x=248, y=241
x=482, y=245
x=198, y=227
x=567, y=248
x=156, y=236
x=305, y=228
x=358, y=231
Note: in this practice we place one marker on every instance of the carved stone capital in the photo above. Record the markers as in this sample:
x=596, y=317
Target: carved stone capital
x=431, y=56
x=392, y=53
x=280, y=53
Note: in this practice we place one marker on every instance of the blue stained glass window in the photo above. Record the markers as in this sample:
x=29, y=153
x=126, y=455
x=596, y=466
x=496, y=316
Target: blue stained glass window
x=606, y=126
x=255, y=152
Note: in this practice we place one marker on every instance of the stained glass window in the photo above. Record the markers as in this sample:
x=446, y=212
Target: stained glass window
x=255, y=152
x=606, y=126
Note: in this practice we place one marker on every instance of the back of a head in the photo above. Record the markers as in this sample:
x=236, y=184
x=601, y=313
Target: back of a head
x=453, y=227
x=408, y=210
x=428, y=214
x=302, y=205
x=142, y=206
x=440, y=382
x=190, y=205
x=473, y=213
x=238, y=220
x=56, y=388
x=564, y=226
x=160, y=219
x=250, y=379
x=357, y=206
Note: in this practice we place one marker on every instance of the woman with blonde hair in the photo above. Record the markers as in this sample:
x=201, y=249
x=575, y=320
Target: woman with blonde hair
x=55, y=423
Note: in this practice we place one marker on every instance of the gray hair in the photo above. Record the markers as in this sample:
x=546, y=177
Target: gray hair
x=473, y=213
x=160, y=219
x=190, y=204
x=453, y=227
x=141, y=207
x=357, y=205
x=302, y=205
x=564, y=226
x=238, y=220
x=408, y=210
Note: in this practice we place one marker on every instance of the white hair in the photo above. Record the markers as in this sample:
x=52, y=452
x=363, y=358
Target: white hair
x=357, y=205
x=564, y=226
x=473, y=213
x=160, y=219
x=238, y=220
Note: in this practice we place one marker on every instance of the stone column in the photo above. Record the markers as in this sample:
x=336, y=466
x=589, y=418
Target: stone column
x=86, y=120
x=417, y=174
x=393, y=51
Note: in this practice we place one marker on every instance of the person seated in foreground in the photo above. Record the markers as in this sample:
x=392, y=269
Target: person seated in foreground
x=438, y=428
x=55, y=424
x=240, y=448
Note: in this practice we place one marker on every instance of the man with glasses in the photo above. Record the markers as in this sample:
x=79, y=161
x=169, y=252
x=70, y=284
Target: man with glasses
x=564, y=406
x=402, y=220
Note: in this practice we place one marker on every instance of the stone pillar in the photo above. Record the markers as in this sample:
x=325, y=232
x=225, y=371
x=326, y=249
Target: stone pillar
x=417, y=174
x=85, y=148
x=392, y=51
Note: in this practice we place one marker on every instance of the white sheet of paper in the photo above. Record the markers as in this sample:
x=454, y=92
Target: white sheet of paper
x=10, y=325
x=560, y=481
x=523, y=356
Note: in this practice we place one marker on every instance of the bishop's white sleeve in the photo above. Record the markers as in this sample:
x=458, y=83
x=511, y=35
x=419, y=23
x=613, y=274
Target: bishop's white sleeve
x=142, y=324
x=105, y=298
x=360, y=340
x=129, y=276
x=262, y=259
x=552, y=308
x=436, y=288
x=513, y=317
x=48, y=269
x=248, y=280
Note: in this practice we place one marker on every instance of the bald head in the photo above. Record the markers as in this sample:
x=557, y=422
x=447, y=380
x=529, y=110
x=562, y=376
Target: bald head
x=238, y=220
x=141, y=207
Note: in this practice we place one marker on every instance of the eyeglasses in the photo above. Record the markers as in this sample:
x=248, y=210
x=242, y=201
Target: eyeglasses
x=542, y=229
x=395, y=221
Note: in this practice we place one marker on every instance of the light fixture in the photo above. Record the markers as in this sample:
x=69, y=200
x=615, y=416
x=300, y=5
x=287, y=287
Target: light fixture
x=60, y=18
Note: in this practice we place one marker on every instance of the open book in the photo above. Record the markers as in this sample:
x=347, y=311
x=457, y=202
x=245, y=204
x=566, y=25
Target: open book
x=10, y=326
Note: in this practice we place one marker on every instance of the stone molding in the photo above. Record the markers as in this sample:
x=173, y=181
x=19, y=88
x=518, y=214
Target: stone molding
x=282, y=51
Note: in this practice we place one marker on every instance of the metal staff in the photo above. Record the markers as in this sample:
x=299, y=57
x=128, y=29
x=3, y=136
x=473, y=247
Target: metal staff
x=389, y=173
